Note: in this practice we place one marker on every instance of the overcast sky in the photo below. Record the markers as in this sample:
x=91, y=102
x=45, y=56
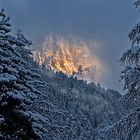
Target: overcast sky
x=106, y=22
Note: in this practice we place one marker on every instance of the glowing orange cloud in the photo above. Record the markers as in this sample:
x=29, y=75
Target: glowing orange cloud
x=70, y=58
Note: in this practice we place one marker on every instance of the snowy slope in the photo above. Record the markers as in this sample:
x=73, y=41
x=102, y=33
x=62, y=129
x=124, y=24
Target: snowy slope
x=74, y=108
x=127, y=128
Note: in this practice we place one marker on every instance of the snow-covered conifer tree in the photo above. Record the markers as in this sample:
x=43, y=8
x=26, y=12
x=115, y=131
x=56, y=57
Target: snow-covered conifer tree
x=131, y=73
x=16, y=93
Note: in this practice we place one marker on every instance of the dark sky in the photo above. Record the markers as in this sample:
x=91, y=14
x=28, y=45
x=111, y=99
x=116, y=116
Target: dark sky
x=106, y=22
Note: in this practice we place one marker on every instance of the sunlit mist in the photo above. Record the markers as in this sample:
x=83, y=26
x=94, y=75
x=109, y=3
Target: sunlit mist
x=70, y=57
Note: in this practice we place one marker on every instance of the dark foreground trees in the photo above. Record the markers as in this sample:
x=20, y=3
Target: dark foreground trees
x=131, y=73
x=16, y=92
x=128, y=127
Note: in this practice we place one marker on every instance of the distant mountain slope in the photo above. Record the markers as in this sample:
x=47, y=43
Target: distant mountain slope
x=74, y=108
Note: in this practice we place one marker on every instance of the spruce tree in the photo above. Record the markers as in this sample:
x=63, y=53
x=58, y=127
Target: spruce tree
x=131, y=73
x=17, y=93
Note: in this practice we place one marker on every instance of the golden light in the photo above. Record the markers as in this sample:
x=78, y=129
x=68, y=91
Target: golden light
x=71, y=58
